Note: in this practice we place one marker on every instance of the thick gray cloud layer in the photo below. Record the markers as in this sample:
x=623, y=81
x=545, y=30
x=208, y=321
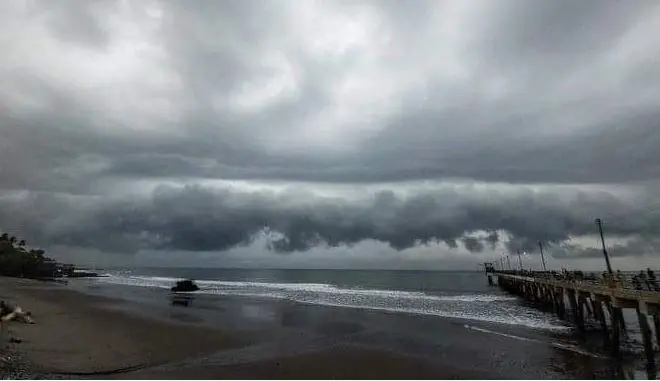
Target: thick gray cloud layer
x=195, y=218
x=100, y=93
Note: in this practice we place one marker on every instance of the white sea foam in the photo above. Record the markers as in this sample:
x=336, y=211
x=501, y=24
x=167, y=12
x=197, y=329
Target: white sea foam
x=473, y=306
x=216, y=286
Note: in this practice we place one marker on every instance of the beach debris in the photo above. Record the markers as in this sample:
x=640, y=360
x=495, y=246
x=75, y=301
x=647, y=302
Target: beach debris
x=185, y=286
x=9, y=312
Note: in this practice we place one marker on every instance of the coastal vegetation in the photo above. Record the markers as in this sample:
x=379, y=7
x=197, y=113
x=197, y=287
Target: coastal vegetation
x=17, y=260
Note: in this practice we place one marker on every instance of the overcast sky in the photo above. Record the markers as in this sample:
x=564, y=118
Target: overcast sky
x=396, y=134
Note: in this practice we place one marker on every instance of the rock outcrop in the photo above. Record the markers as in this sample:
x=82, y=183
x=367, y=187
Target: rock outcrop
x=185, y=286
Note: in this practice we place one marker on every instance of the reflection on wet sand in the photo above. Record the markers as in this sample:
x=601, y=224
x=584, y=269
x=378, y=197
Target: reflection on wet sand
x=183, y=300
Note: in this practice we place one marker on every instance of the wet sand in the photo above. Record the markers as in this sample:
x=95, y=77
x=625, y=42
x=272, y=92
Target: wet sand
x=338, y=363
x=80, y=334
x=84, y=336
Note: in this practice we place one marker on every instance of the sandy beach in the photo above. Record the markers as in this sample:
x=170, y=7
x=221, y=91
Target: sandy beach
x=84, y=336
x=80, y=334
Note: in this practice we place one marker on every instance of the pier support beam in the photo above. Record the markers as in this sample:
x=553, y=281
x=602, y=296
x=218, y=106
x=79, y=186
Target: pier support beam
x=646, y=338
x=589, y=304
x=560, y=304
x=599, y=313
x=548, y=298
x=576, y=309
x=618, y=322
x=622, y=321
x=616, y=331
x=656, y=323
x=621, y=304
x=583, y=305
x=653, y=310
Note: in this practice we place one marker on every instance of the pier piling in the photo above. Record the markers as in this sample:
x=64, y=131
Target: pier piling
x=647, y=339
x=656, y=323
x=599, y=309
x=616, y=332
x=589, y=299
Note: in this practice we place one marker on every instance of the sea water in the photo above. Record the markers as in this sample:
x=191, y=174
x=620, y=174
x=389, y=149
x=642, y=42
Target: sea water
x=395, y=310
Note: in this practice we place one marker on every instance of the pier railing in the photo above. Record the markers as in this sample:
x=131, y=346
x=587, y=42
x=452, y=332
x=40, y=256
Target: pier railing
x=621, y=280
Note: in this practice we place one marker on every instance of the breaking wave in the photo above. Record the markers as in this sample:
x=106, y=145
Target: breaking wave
x=494, y=308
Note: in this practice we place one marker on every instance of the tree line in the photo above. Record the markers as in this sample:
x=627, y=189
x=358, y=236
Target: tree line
x=16, y=260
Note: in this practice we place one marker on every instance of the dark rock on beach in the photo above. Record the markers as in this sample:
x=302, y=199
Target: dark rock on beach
x=185, y=286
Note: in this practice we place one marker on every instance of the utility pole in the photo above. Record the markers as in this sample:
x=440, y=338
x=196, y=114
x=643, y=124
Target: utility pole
x=542, y=256
x=519, y=260
x=599, y=222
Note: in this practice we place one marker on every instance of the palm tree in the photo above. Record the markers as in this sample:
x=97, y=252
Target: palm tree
x=4, y=243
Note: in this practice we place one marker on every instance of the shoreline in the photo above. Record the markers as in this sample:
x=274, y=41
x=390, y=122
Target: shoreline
x=83, y=336
x=89, y=336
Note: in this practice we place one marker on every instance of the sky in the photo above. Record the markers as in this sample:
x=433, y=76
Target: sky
x=331, y=134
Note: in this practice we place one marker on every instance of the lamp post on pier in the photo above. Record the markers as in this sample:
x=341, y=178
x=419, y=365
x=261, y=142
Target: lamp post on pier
x=599, y=222
x=519, y=260
x=542, y=256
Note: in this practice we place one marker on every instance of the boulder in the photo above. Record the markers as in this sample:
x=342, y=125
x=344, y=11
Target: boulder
x=185, y=286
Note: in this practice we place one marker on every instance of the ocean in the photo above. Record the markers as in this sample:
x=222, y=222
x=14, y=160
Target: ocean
x=453, y=317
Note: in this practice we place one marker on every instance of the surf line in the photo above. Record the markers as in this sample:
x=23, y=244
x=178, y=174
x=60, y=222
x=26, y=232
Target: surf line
x=566, y=347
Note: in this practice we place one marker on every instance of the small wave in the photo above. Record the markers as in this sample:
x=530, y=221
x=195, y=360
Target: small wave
x=565, y=346
x=474, y=306
x=484, y=317
x=217, y=286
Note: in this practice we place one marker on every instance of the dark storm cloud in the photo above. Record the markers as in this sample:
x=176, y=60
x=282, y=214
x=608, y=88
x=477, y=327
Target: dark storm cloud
x=637, y=246
x=195, y=218
x=473, y=244
x=96, y=94
x=559, y=61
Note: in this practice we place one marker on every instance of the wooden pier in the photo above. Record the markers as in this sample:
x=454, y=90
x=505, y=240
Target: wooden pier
x=587, y=299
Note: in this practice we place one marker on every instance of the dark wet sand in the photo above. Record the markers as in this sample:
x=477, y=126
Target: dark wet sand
x=78, y=335
x=338, y=363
